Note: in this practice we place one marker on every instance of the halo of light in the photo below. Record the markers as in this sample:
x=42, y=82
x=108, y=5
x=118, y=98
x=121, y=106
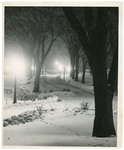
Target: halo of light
x=16, y=65
x=68, y=68
x=60, y=67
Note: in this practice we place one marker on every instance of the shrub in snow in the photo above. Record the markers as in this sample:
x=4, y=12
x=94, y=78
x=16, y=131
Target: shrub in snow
x=44, y=96
x=14, y=117
x=27, y=96
x=52, y=109
x=40, y=109
x=59, y=99
x=68, y=90
x=24, y=92
x=85, y=105
x=5, y=123
x=28, y=116
x=10, y=121
x=64, y=89
x=50, y=91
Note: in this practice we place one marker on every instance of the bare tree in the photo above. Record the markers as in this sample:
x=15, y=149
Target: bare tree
x=93, y=39
x=37, y=28
x=74, y=48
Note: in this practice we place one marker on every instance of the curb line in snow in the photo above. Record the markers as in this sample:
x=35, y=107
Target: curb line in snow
x=82, y=86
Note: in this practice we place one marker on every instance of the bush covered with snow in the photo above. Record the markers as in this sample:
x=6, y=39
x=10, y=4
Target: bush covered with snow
x=85, y=105
x=63, y=93
x=66, y=89
x=59, y=99
x=23, y=118
x=45, y=96
x=25, y=91
x=27, y=94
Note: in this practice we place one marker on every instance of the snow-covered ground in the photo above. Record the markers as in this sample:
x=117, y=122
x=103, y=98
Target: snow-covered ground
x=61, y=120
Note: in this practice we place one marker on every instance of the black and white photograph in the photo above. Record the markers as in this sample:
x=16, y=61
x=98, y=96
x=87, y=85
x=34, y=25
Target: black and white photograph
x=61, y=73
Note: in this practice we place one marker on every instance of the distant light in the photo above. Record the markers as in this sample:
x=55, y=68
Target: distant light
x=60, y=67
x=68, y=69
x=32, y=68
x=16, y=65
x=56, y=63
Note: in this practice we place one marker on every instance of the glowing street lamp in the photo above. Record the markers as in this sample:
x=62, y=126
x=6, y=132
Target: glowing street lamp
x=14, y=100
x=56, y=63
x=17, y=66
x=33, y=70
x=60, y=67
x=68, y=69
x=63, y=69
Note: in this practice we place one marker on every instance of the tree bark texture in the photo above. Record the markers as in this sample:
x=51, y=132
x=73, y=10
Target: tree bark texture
x=77, y=68
x=103, y=122
x=37, y=78
x=84, y=68
x=96, y=54
x=72, y=66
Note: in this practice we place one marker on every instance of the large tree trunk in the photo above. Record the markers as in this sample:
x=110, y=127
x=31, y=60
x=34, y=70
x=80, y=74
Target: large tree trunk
x=77, y=68
x=103, y=122
x=72, y=67
x=96, y=54
x=37, y=78
x=28, y=66
x=84, y=69
x=113, y=74
x=73, y=74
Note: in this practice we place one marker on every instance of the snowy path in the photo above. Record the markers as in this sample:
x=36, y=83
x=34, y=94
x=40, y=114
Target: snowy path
x=56, y=130
x=62, y=127
x=65, y=126
x=57, y=84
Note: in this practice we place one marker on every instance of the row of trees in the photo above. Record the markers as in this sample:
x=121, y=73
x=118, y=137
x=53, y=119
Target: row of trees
x=76, y=53
x=36, y=30
x=89, y=34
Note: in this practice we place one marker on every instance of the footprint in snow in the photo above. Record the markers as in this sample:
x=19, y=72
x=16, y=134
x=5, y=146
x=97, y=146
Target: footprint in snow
x=77, y=134
x=71, y=130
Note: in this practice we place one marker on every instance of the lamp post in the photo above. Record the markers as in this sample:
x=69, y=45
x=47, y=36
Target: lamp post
x=14, y=100
x=32, y=70
x=63, y=69
x=64, y=74
x=17, y=65
x=57, y=64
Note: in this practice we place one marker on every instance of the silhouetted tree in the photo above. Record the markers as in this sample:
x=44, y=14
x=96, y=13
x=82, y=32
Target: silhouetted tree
x=74, y=47
x=84, y=60
x=93, y=37
x=37, y=28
